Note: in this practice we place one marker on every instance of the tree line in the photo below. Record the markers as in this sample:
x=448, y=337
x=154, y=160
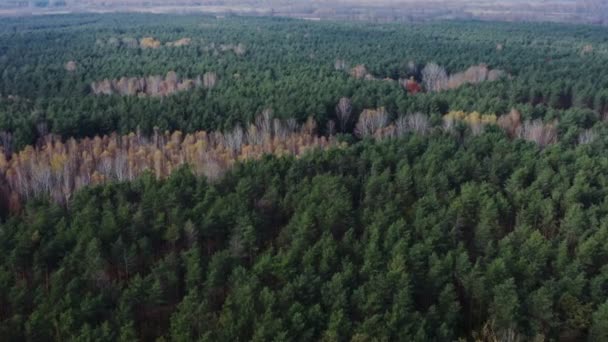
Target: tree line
x=296, y=68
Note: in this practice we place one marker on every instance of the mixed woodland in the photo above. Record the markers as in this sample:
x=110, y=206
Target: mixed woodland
x=180, y=178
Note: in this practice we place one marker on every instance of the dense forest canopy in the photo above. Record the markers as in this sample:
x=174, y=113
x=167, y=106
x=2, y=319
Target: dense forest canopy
x=286, y=65
x=233, y=179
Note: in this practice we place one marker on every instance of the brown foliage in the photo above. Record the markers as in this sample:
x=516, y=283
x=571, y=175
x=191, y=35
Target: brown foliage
x=359, y=72
x=58, y=168
x=474, y=75
x=179, y=42
x=209, y=80
x=587, y=49
x=543, y=134
x=510, y=123
x=536, y=131
x=149, y=42
x=70, y=66
x=372, y=122
x=152, y=85
x=144, y=43
x=238, y=49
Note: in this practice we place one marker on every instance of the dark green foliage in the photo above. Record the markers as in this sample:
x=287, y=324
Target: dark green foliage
x=412, y=239
x=425, y=238
x=288, y=65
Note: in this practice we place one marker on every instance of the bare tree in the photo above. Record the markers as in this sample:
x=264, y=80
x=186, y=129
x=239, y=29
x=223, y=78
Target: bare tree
x=510, y=123
x=292, y=125
x=359, y=71
x=171, y=82
x=434, y=77
x=151, y=85
x=586, y=137
x=476, y=74
x=240, y=49
x=234, y=140
x=58, y=169
x=417, y=123
x=538, y=132
x=344, y=111
x=279, y=129
x=70, y=66
x=209, y=80
x=495, y=75
x=370, y=121
x=120, y=166
x=264, y=123
x=340, y=64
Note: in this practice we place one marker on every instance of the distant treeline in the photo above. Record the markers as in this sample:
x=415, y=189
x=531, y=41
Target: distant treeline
x=296, y=68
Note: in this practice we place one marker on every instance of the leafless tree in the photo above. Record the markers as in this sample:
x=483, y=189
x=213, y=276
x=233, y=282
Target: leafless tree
x=291, y=124
x=58, y=169
x=495, y=75
x=264, y=122
x=344, y=111
x=70, y=66
x=235, y=139
x=538, y=132
x=279, y=129
x=586, y=137
x=434, y=77
x=476, y=74
x=240, y=49
x=370, y=121
x=340, y=64
x=120, y=166
x=209, y=80
x=153, y=85
x=510, y=123
x=104, y=164
x=359, y=71
x=171, y=82
x=310, y=126
x=417, y=123
x=254, y=136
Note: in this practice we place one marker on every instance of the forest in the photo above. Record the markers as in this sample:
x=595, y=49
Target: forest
x=187, y=177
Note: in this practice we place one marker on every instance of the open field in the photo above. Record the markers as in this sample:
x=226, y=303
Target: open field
x=583, y=11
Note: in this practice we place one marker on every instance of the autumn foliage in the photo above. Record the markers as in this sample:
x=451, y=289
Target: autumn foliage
x=59, y=168
x=376, y=123
x=411, y=86
x=153, y=85
x=536, y=131
x=435, y=78
x=474, y=120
